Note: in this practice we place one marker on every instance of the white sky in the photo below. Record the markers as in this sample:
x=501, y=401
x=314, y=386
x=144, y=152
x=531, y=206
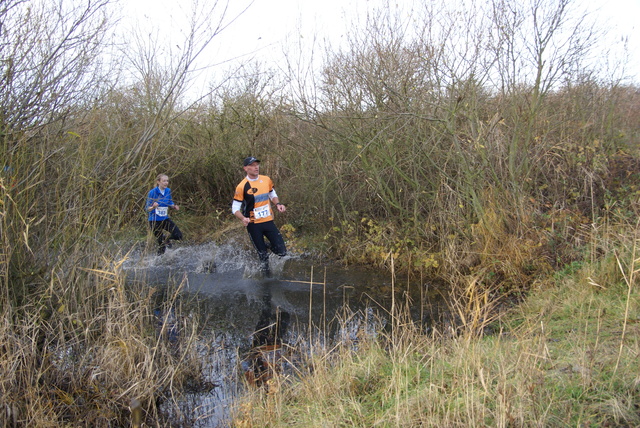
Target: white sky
x=268, y=25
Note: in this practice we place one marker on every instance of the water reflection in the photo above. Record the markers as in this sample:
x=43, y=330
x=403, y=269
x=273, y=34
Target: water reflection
x=267, y=350
x=251, y=319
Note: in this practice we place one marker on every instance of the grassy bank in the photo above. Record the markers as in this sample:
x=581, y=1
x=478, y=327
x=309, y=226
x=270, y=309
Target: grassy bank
x=566, y=356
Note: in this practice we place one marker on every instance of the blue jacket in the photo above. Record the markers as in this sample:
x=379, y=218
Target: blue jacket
x=161, y=212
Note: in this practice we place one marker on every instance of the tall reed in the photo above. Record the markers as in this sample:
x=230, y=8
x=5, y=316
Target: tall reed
x=79, y=340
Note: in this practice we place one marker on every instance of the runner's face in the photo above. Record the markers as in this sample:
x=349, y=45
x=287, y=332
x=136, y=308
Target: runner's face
x=252, y=169
x=163, y=183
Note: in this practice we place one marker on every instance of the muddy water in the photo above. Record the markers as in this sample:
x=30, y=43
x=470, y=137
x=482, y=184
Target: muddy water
x=222, y=285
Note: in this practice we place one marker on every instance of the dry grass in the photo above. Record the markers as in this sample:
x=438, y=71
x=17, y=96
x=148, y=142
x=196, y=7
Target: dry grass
x=87, y=349
x=567, y=356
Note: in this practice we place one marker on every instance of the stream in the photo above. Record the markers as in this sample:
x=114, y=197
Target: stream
x=237, y=306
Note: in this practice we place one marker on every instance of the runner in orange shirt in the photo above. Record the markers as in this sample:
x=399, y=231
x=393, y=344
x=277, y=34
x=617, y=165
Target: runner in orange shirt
x=252, y=206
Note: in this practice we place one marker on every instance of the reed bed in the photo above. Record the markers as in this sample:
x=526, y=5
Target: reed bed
x=90, y=348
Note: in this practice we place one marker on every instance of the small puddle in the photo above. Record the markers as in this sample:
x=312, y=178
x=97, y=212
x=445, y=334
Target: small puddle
x=248, y=316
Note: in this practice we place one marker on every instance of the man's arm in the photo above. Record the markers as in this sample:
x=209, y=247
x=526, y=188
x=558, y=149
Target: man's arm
x=236, y=210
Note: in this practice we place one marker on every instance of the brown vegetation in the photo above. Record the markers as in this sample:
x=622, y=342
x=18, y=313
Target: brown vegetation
x=461, y=162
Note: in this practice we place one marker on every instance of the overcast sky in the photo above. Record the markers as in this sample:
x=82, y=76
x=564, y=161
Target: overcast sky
x=268, y=25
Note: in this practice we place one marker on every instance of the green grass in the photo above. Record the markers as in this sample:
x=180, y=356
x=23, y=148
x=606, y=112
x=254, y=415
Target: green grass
x=563, y=358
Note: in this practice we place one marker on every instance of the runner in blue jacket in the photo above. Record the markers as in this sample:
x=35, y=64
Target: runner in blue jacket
x=158, y=203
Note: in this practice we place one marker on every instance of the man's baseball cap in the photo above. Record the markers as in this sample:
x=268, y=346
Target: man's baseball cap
x=250, y=160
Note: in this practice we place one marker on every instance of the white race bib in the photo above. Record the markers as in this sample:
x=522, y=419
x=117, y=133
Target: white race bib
x=162, y=211
x=261, y=212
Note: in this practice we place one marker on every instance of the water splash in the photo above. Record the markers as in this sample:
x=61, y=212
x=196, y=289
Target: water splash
x=203, y=258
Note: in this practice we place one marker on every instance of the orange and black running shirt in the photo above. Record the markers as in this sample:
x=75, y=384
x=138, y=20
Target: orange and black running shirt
x=254, y=196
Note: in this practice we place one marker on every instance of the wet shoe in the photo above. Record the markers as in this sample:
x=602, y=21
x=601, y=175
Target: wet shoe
x=265, y=269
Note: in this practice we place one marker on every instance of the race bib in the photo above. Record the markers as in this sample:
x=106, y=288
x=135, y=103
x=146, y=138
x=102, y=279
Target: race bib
x=162, y=211
x=261, y=212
